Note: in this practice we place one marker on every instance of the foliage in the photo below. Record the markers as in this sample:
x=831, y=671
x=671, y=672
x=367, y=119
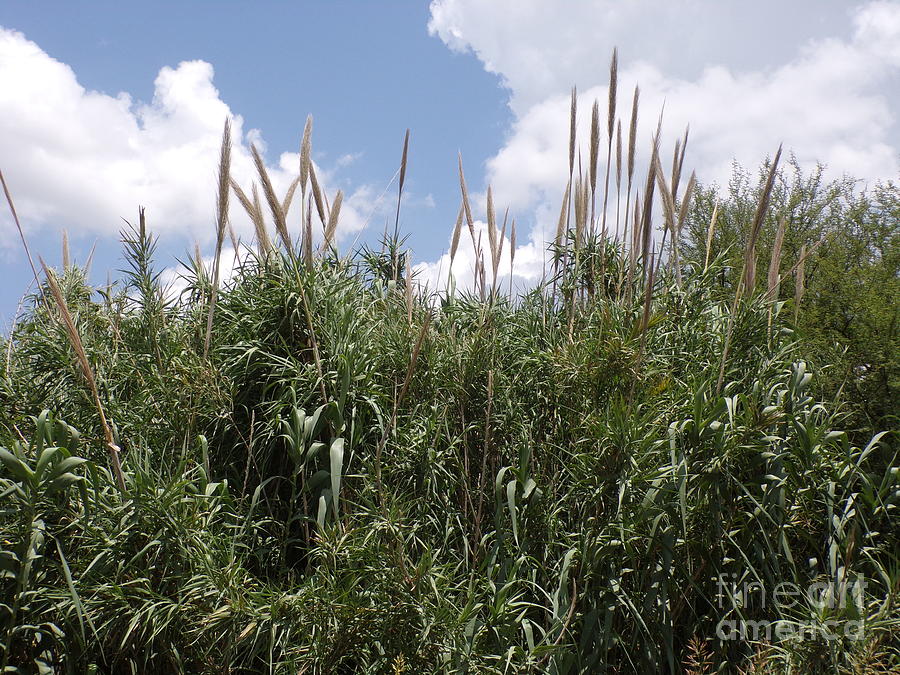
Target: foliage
x=545, y=503
x=850, y=318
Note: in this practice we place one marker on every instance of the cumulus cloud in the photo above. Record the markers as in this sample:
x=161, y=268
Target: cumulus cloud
x=829, y=99
x=84, y=159
x=529, y=266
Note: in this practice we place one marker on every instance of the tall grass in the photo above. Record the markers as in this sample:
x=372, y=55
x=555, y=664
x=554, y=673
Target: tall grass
x=324, y=468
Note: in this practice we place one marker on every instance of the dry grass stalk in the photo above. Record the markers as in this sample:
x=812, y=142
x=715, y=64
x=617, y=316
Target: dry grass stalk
x=274, y=204
x=251, y=206
x=305, y=154
x=632, y=134
x=647, y=208
x=482, y=274
x=465, y=198
x=676, y=177
x=66, y=259
x=235, y=244
x=403, y=159
x=90, y=259
x=610, y=126
x=333, y=216
x=563, y=215
x=685, y=208
x=580, y=215
x=289, y=196
x=665, y=196
x=457, y=231
x=512, y=253
x=629, y=166
x=648, y=293
x=678, y=161
x=773, y=281
x=496, y=260
x=635, y=238
x=573, y=107
x=87, y=371
x=308, y=237
x=12, y=208
x=492, y=228
x=748, y=274
x=221, y=223
x=317, y=193
x=594, y=150
x=409, y=288
x=618, y=173
x=259, y=224
x=686, y=202
x=748, y=277
x=709, y=234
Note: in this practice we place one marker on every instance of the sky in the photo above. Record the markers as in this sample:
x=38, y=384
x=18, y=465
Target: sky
x=107, y=106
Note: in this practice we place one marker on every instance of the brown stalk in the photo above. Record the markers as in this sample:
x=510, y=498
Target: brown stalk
x=496, y=261
x=289, y=196
x=679, y=225
x=331, y=227
x=75, y=341
x=647, y=208
x=748, y=277
x=573, y=106
x=256, y=217
x=678, y=162
x=403, y=159
x=66, y=262
x=748, y=274
x=262, y=234
x=308, y=237
x=709, y=233
x=610, y=125
x=274, y=204
x=594, y=150
x=512, y=254
x=12, y=208
x=317, y=193
x=465, y=198
x=773, y=281
x=232, y=235
x=618, y=173
x=632, y=133
x=492, y=229
x=563, y=215
x=409, y=288
x=305, y=154
x=221, y=223
x=457, y=230
x=629, y=170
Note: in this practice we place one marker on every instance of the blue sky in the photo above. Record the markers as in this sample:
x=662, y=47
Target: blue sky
x=105, y=105
x=365, y=71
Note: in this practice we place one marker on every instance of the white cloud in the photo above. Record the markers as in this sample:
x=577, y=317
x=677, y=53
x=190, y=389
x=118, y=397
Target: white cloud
x=529, y=266
x=84, y=159
x=830, y=98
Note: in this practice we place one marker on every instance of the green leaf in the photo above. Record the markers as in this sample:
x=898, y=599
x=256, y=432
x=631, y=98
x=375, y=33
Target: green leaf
x=336, y=455
x=16, y=466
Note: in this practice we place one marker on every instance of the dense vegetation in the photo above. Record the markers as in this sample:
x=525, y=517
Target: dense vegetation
x=325, y=468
